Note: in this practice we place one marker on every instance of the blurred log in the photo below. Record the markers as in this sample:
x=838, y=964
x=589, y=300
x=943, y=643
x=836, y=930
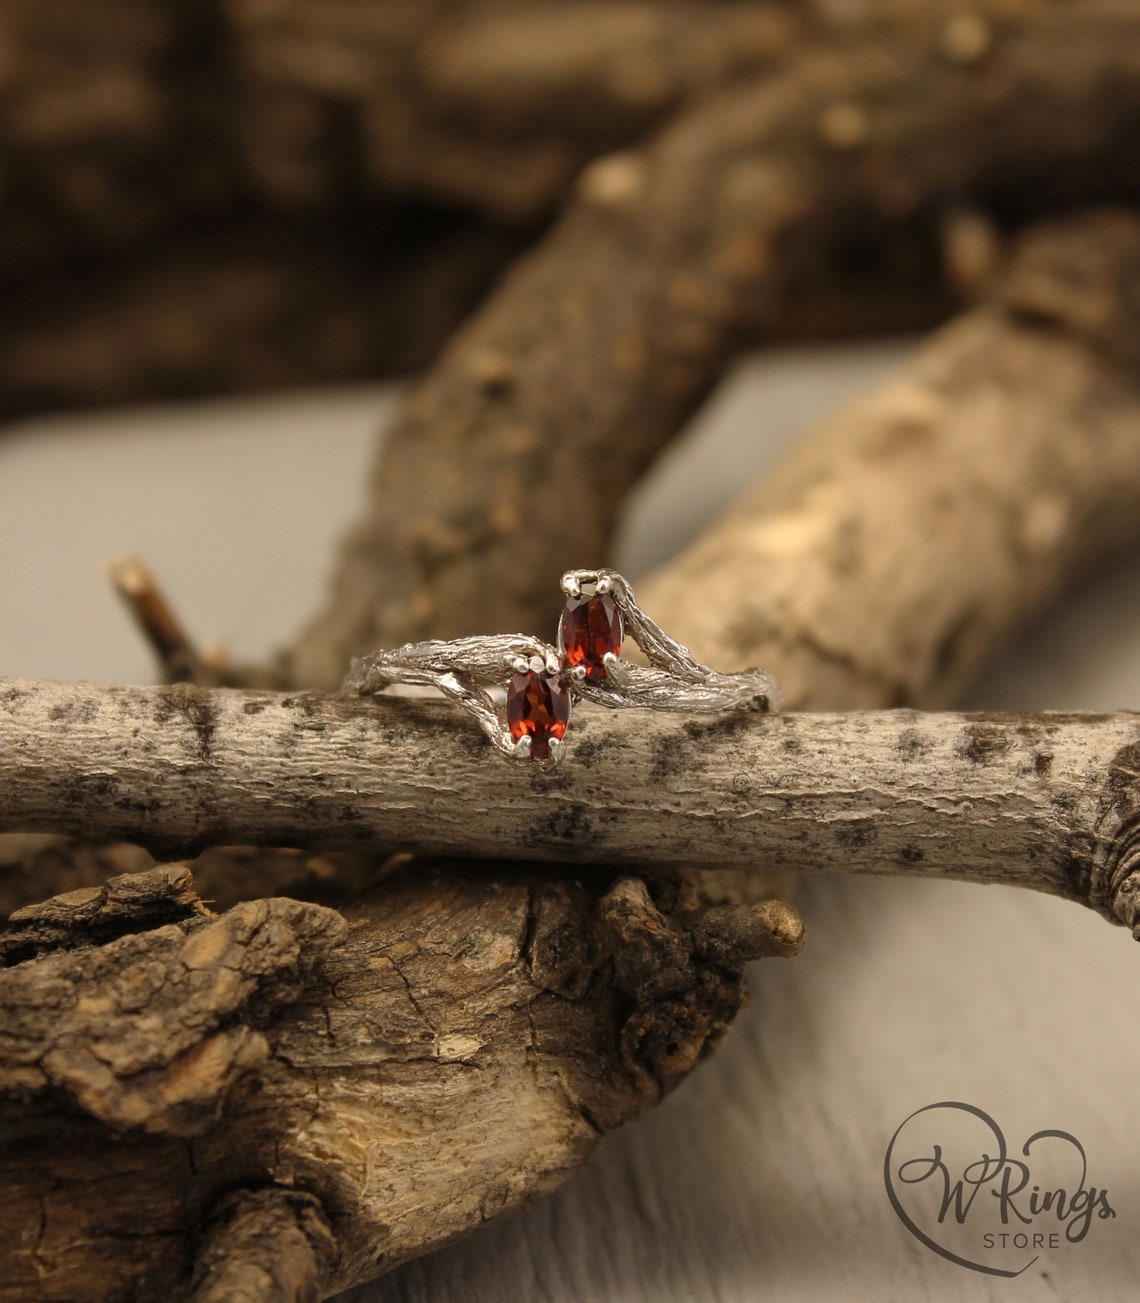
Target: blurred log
x=488, y=106
x=261, y=305
x=119, y=123
x=1007, y=453
x=203, y=202
x=104, y=112
x=148, y=149
x=509, y=461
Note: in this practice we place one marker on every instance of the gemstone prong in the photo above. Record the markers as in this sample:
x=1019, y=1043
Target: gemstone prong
x=614, y=667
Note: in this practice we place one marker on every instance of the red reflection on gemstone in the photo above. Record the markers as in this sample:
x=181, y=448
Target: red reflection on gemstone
x=538, y=705
x=591, y=627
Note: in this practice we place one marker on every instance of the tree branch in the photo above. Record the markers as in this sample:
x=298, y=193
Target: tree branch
x=918, y=526
x=595, y=349
x=1044, y=801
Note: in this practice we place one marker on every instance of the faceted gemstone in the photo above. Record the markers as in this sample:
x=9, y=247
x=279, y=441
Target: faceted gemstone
x=591, y=626
x=538, y=705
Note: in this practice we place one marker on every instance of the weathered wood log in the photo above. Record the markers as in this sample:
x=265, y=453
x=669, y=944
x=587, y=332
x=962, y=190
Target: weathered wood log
x=279, y=1073
x=599, y=344
x=1045, y=801
x=912, y=532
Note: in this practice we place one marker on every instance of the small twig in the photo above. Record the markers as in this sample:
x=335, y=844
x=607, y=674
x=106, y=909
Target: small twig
x=178, y=657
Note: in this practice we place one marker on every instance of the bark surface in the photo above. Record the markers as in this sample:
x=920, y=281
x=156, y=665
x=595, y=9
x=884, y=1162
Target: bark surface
x=1045, y=801
x=397, y=1074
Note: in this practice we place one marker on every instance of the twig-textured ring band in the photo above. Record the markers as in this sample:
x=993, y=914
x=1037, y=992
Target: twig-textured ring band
x=542, y=681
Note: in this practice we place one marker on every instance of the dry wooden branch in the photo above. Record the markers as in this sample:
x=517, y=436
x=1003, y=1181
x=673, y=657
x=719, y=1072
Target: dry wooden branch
x=1045, y=801
x=179, y=658
x=598, y=345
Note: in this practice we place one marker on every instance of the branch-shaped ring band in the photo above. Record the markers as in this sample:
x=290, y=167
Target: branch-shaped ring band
x=542, y=681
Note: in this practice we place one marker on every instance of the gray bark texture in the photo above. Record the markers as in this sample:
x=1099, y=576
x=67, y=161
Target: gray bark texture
x=1044, y=801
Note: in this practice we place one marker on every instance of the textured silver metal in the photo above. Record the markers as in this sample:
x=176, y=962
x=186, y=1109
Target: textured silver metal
x=676, y=679
x=461, y=668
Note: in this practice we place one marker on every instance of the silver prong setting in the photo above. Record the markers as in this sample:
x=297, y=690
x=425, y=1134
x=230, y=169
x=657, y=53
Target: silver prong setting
x=615, y=668
x=469, y=670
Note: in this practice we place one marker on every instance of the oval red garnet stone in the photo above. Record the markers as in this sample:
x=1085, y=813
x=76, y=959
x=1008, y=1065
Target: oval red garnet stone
x=538, y=705
x=591, y=626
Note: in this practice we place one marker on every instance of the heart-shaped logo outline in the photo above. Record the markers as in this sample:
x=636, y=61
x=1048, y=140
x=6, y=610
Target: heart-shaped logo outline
x=1074, y=1207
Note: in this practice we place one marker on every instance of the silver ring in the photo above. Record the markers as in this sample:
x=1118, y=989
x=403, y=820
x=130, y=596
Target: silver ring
x=543, y=681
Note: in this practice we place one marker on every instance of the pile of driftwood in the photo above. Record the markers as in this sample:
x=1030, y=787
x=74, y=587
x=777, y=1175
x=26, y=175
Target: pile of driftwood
x=426, y=982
